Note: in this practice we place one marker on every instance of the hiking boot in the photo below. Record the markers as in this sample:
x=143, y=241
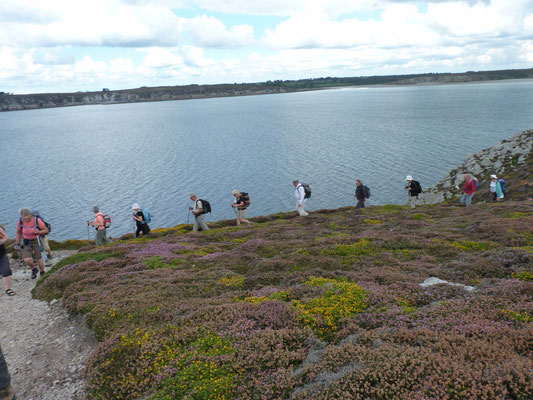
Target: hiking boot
x=7, y=394
x=49, y=256
x=34, y=273
x=42, y=273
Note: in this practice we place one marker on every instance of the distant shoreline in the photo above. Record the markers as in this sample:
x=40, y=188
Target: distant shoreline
x=19, y=102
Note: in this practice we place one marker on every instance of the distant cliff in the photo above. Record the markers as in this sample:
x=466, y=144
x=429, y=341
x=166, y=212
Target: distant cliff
x=12, y=102
x=511, y=159
x=143, y=94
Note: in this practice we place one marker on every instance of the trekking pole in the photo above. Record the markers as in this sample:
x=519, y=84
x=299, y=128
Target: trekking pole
x=87, y=232
x=188, y=215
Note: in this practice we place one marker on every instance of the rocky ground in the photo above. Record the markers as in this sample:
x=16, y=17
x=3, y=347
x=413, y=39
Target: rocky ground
x=45, y=348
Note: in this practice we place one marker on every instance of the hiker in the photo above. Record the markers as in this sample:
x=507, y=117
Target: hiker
x=198, y=212
x=140, y=220
x=30, y=229
x=46, y=247
x=6, y=390
x=413, y=190
x=361, y=194
x=299, y=193
x=44, y=238
x=99, y=225
x=496, y=192
x=242, y=201
x=5, y=269
x=468, y=190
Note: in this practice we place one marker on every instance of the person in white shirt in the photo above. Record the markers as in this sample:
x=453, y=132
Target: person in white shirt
x=495, y=189
x=198, y=213
x=299, y=193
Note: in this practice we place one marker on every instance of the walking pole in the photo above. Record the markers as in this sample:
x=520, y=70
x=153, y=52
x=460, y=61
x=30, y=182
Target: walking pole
x=87, y=232
x=188, y=215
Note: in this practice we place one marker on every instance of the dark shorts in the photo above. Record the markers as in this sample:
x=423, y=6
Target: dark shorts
x=144, y=228
x=5, y=269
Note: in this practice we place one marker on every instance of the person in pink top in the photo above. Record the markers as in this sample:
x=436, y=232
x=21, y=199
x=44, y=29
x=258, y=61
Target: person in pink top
x=99, y=225
x=468, y=190
x=30, y=229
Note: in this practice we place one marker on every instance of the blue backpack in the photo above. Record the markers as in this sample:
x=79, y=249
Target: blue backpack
x=147, y=217
x=502, y=184
x=476, y=183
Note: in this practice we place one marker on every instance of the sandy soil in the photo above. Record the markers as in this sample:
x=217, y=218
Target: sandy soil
x=45, y=348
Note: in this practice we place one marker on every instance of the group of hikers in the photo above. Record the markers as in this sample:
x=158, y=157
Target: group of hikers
x=31, y=235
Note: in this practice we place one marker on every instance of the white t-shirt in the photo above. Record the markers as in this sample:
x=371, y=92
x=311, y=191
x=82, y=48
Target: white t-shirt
x=492, y=186
x=299, y=193
x=197, y=205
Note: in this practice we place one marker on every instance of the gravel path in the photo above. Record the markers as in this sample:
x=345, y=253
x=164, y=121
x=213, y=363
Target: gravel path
x=45, y=348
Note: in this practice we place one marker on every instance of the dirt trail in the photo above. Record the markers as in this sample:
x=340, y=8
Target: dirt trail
x=45, y=348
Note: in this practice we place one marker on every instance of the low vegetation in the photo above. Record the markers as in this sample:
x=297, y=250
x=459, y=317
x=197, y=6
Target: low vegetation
x=328, y=306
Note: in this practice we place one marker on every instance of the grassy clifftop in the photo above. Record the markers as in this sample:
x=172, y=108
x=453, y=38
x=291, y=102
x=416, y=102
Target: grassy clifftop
x=328, y=306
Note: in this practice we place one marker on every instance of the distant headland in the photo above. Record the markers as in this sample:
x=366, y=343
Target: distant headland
x=14, y=102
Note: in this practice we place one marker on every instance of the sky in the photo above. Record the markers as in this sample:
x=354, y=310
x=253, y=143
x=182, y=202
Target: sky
x=78, y=45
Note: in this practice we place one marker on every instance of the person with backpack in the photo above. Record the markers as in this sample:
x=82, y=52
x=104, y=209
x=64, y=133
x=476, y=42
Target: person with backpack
x=413, y=190
x=301, y=197
x=141, y=217
x=5, y=268
x=28, y=238
x=6, y=390
x=242, y=202
x=201, y=207
x=44, y=238
x=100, y=226
x=362, y=193
x=468, y=190
x=495, y=188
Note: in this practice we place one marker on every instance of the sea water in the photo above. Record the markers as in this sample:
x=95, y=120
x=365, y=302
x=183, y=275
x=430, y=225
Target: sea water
x=63, y=161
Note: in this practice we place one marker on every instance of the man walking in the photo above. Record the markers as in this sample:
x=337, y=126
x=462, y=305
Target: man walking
x=31, y=229
x=242, y=201
x=99, y=225
x=299, y=193
x=468, y=190
x=361, y=194
x=6, y=390
x=413, y=190
x=140, y=221
x=198, y=212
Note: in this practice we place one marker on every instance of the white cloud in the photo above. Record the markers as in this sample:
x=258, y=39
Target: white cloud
x=121, y=66
x=211, y=32
x=52, y=45
x=97, y=23
x=194, y=56
x=157, y=57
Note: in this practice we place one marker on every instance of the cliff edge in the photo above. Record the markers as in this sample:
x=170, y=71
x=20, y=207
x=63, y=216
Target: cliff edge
x=511, y=159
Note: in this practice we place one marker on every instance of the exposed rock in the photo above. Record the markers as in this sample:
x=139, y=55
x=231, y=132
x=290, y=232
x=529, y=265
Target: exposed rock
x=505, y=156
x=436, y=281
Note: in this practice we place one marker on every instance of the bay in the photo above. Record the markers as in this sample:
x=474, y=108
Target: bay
x=62, y=161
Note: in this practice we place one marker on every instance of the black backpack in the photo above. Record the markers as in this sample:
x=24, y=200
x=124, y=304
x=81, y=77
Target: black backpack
x=246, y=198
x=417, y=188
x=366, y=192
x=206, y=207
x=307, y=190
